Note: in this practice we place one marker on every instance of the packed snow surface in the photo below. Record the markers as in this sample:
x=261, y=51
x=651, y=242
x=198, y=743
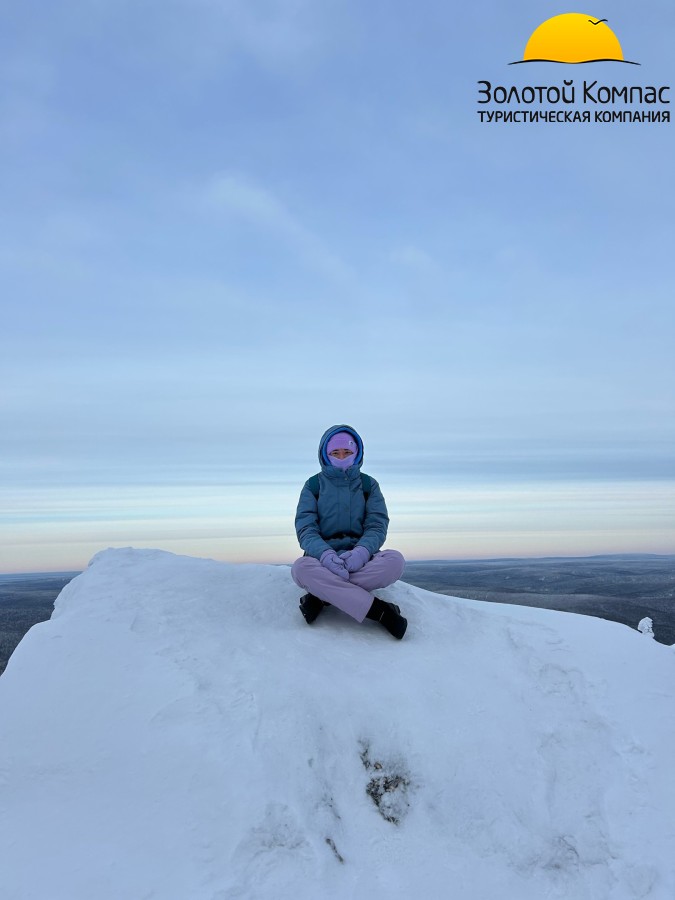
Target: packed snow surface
x=176, y=731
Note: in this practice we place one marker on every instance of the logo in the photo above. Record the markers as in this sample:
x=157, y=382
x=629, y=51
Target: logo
x=573, y=38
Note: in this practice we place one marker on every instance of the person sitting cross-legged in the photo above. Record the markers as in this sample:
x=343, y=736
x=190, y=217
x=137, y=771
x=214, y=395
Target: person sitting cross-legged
x=341, y=523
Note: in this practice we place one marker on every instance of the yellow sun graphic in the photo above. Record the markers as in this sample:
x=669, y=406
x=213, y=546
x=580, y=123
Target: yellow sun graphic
x=573, y=38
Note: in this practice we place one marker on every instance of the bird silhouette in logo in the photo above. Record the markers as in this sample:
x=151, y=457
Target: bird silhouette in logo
x=598, y=22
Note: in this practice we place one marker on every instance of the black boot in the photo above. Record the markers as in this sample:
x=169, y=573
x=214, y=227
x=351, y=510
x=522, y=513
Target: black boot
x=388, y=615
x=310, y=607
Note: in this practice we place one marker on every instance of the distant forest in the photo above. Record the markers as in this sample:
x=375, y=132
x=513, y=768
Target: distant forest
x=26, y=600
x=622, y=589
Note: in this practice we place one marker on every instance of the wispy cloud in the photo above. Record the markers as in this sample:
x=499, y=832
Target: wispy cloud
x=416, y=259
x=238, y=196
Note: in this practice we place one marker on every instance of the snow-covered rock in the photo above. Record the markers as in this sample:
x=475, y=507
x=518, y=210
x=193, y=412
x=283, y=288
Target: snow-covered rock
x=646, y=626
x=176, y=731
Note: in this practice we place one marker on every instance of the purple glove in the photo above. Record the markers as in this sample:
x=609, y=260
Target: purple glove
x=355, y=559
x=334, y=564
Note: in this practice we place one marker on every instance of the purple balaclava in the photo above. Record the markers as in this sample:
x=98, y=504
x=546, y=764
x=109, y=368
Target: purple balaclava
x=343, y=440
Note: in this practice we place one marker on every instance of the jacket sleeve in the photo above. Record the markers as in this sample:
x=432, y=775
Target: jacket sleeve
x=307, y=525
x=376, y=521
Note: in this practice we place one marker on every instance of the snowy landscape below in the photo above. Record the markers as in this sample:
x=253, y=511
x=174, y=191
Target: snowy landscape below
x=173, y=732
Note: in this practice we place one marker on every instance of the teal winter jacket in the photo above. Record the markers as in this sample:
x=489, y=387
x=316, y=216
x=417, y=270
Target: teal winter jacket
x=341, y=518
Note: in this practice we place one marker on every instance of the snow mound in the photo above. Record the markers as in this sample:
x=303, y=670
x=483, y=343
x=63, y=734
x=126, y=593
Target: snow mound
x=176, y=731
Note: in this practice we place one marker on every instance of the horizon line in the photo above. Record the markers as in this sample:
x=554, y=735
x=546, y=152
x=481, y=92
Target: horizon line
x=463, y=559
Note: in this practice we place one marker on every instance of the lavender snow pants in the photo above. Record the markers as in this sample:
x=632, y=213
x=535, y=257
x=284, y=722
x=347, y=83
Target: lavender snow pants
x=351, y=596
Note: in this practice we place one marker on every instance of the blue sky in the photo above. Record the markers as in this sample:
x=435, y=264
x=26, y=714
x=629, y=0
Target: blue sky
x=227, y=226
